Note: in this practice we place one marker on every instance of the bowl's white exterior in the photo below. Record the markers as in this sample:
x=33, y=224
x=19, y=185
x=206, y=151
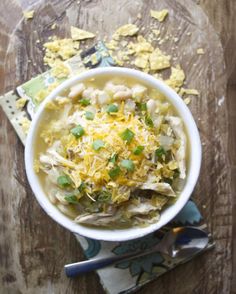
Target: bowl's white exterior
x=170, y=212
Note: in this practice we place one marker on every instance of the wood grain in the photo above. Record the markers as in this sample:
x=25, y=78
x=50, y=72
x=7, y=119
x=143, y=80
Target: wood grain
x=33, y=248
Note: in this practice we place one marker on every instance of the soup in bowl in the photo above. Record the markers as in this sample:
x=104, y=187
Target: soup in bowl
x=113, y=154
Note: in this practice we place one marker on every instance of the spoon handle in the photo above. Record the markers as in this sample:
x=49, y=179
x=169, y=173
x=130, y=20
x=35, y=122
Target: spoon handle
x=78, y=268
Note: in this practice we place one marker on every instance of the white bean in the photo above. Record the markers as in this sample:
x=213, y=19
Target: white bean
x=76, y=90
x=151, y=106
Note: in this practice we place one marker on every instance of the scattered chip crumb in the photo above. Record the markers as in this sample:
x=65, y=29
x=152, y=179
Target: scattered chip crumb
x=188, y=33
x=59, y=49
x=127, y=30
x=38, y=41
x=187, y=100
x=159, y=15
x=78, y=34
x=190, y=92
x=176, y=79
x=28, y=14
x=142, y=60
x=200, y=51
x=60, y=70
x=176, y=40
x=139, y=16
x=158, y=60
x=53, y=26
x=25, y=124
x=156, y=32
x=20, y=103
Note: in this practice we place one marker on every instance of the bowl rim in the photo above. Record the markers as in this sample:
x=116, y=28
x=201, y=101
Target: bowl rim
x=170, y=212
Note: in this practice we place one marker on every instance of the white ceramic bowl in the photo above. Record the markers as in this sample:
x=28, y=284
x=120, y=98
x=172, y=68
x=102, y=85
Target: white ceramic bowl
x=170, y=212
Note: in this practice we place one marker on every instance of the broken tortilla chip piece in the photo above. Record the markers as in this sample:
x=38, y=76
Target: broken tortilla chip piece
x=28, y=14
x=176, y=79
x=78, y=34
x=158, y=60
x=127, y=30
x=159, y=15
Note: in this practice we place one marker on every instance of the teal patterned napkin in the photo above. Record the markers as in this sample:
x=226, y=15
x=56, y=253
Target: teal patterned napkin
x=127, y=276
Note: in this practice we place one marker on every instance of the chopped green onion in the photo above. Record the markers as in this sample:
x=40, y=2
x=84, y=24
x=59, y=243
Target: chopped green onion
x=89, y=115
x=168, y=181
x=128, y=164
x=64, y=181
x=72, y=199
x=81, y=187
x=138, y=150
x=114, y=158
x=98, y=144
x=160, y=151
x=113, y=173
x=77, y=131
x=104, y=196
x=176, y=173
x=127, y=135
x=141, y=106
x=112, y=108
x=149, y=122
x=84, y=102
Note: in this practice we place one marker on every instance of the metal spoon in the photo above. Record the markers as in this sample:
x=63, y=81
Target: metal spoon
x=181, y=242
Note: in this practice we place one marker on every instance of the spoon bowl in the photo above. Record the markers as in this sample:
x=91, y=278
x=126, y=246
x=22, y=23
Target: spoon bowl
x=181, y=243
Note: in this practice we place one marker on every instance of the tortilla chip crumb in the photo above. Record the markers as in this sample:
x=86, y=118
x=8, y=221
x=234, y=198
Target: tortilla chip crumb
x=78, y=34
x=139, y=16
x=158, y=60
x=176, y=79
x=159, y=15
x=20, y=103
x=127, y=30
x=200, y=51
x=28, y=14
x=25, y=124
x=53, y=26
x=190, y=92
x=187, y=100
x=60, y=70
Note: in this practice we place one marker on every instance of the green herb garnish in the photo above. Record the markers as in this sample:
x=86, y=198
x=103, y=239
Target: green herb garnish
x=168, y=181
x=127, y=164
x=127, y=135
x=114, y=172
x=149, y=122
x=104, y=196
x=64, y=181
x=77, y=131
x=89, y=115
x=138, y=150
x=114, y=158
x=112, y=108
x=81, y=187
x=84, y=102
x=160, y=152
x=98, y=144
x=72, y=199
x=141, y=106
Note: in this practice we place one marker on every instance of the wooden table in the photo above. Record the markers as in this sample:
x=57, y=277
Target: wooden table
x=33, y=248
